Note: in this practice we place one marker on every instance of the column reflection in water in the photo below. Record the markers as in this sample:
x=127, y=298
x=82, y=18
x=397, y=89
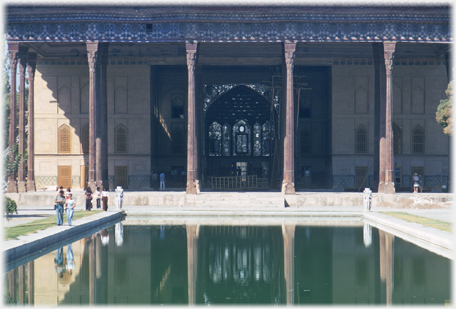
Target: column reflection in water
x=240, y=265
x=191, y=264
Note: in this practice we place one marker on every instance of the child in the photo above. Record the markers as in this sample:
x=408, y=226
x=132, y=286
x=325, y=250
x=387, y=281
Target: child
x=70, y=204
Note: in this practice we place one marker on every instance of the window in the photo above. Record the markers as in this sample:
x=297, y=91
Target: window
x=177, y=107
x=215, y=137
x=267, y=134
x=121, y=176
x=85, y=138
x=257, y=139
x=64, y=139
x=361, y=179
x=226, y=137
x=120, y=139
x=178, y=141
x=397, y=139
x=418, y=140
x=361, y=140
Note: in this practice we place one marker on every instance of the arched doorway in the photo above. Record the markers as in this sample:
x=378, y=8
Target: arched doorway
x=239, y=137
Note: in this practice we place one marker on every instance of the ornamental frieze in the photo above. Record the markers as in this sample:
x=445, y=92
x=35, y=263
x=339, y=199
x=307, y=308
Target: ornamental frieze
x=229, y=32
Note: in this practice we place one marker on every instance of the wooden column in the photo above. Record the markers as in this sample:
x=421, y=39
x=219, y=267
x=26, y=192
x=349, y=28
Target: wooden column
x=379, y=65
x=192, y=157
x=31, y=122
x=102, y=123
x=21, y=185
x=92, y=55
x=288, y=233
x=389, y=48
x=13, y=50
x=288, y=157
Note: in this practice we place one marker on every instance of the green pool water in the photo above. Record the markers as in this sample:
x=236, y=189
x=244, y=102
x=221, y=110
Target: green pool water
x=226, y=265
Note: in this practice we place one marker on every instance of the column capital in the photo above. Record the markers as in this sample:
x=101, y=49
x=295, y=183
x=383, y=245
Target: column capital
x=289, y=53
x=92, y=54
x=192, y=52
x=388, y=53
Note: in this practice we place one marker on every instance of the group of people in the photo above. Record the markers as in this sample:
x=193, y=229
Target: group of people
x=99, y=197
x=64, y=202
x=417, y=183
x=155, y=181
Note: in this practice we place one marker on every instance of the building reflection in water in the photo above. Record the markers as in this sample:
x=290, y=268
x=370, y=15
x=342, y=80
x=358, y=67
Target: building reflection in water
x=193, y=264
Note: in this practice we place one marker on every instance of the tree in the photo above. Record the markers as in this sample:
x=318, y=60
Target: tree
x=444, y=111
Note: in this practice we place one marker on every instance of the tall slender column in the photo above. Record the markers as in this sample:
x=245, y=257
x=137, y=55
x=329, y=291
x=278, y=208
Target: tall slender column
x=377, y=49
x=31, y=122
x=288, y=233
x=389, y=48
x=192, y=158
x=21, y=185
x=288, y=157
x=102, y=123
x=13, y=50
x=92, y=55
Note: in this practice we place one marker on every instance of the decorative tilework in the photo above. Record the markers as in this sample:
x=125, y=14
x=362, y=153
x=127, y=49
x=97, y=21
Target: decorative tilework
x=44, y=181
x=76, y=181
x=340, y=182
x=138, y=182
x=348, y=30
x=435, y=182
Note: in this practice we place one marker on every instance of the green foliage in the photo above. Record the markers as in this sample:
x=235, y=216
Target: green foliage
x=10, y=207
x=444, y=114
x=13, y=160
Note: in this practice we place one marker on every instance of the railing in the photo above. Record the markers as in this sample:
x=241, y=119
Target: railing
x=233, y=182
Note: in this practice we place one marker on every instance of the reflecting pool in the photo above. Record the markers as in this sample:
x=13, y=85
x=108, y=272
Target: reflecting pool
x=267, y=265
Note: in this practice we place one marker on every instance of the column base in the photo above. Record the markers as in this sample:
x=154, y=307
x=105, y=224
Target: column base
x=389, y=188
x=12, y=187
x=21, y=186
x=386, y=187
x=288, y=188
x=31, y=185
x=192, y=187
x=92, y=185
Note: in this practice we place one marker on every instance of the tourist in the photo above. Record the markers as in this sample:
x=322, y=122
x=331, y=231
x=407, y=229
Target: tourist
x=421, y=183
x=67, y=193
x=70, y=204
x=70, y=259
x=416, y=183
x=88, y=198
x=97, y=197
x=104, y=196
x=162, y=181
x=59, y=202
x=154, y=180
x=58, y=261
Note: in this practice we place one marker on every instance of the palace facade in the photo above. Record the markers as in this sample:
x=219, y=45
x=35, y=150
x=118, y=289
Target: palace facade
x=261, y=97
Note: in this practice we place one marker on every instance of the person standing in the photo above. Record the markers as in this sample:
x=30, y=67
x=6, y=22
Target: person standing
x=88, y=199
x=155, y=180
x=416, y=183
x=162, y=181
x=70, y=204
x=104, y=196
x=59, y=202
x=97, y=196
